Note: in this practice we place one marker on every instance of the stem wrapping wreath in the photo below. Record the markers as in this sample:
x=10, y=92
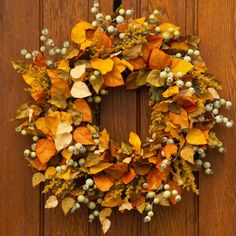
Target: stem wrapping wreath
x=76, y=160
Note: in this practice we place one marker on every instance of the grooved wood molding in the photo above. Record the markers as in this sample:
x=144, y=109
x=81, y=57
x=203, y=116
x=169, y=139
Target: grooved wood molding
x=21, y=206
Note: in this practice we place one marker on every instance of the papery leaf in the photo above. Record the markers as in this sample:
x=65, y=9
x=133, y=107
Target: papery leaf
x=117, y=170
x=37, y=179
x=78, y=33
x=50, y=171
x=172, y=90
x=104, y=139
x=179, y=65
x=45, y=150
x=196, y=137
x=103, y=181
x=99, y=167
x=97, y=83
x=20, y=66
x=101, y=39
x=80, y=90
x=133, y=52
x=125, y=206
x=135, y=141
x=154, y=78
x=180, y=119
x=78, y=71
x=169, y=150
x=51, y=202
x=154, y=179
x=64, y=175
x=106, y=223
x=104, y=66
x=126, y=149
x=66, y=204
x=62, y=141
x=165, y=26
x=113, y=78
x=187, y=153
x=159, y=60
x=83, y=107
x=83, y=135
x=129, y=176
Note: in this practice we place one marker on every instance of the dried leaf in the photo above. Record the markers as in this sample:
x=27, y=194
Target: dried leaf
x=159, y=60
x=179, y=65
x=172, y=90
x=83, y=135
x=83, y=107
x=64, y=175
x=101, y=39
x=129, y=176
x=20, y=66
x=100, y=167
x=106, y=223
x=66, y=204
x=104, y=139
x=51, y=202
x=78, y=71
x=117, y=170
x=187, y=153
x=125, y=206
x=45, y=150
x=113, y=78
x=104, y=66
x=62, y=140
x=80, y=90
x=196, y=137
x=103, y=181
x=154, y=179
x=135, y=141
x=154, y=78
x=169, y=150
x=133, y=52
x=180, y=119
x=37, y=179
x=50, y=171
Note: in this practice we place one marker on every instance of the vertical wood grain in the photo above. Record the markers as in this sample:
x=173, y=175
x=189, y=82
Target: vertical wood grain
x=216, y=27
x=181, y=219
x=59, y=17
x=19, y=202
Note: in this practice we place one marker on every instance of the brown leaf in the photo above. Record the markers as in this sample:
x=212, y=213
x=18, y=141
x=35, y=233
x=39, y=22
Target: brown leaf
x=129, y=176
x=117, y=170
x=66, y=204
x=99, y=167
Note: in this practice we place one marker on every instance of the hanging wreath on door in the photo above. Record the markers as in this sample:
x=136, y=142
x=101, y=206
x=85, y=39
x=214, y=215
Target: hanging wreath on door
x=77, y=161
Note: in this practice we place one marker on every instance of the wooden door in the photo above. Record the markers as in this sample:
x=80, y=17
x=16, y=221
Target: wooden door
x=21, y=206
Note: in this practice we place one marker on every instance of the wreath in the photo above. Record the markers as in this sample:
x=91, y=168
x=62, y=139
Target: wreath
x=75, y=158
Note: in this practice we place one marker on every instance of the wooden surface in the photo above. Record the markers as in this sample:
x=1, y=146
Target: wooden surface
x=21, y=206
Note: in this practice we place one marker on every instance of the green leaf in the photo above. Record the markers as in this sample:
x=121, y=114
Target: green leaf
x=20, y=66
x=154, y=79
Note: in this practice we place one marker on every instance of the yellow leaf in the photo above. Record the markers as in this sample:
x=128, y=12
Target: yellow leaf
x=179, y=65
x=51, y=202
x=78, y=33
x=66, y=204
x=165, y=26
x=154, y=78
x=104, y=140
x=66, y=154
x=83, y=135
x=64, y=175
x=50, y=171
x=37, y=179
x=45, y=150
x=106, y=223
x=187, y=153
x=100, y=167
x=78, y=71
x=135, y=141
x=80, y=90
x=104, y=66
x=180, y=45
x=29, y=79
x=196, y=137
x=64, y=65
x=171, y=91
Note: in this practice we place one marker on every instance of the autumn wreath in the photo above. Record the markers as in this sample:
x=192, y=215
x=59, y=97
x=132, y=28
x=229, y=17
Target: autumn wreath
x=76, y=160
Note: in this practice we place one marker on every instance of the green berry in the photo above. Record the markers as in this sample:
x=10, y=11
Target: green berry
x=174, y=192
x=81, y=198
x=145, y=185
x=81, y=161
x=91, y=205
x=26, y=152
x=23, y=132
x=166, y=194
x=99, y=200
x=147, y=219
x=91, y=217
x=35, y=138
x=33, y=154
x=63, y=167
x=178, y=198
x=156, y=200
x=166, y=186
x=148, y=207
x=89, y=182
x=96, y=213
x=151, y=213
x=206, y=165
x=58, y=169
x=151, y=194
x=23, y=52
x=97, y=99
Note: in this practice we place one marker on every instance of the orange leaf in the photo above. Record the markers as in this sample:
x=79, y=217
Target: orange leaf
x=39, y=60
x=101, y=39
x=196, y=137
x=154, y=179
x=113, y=78
x=159, y=60
x=83, y=135
x=180, y=119
x=84, y=108
x=60, y=87
x=129, y=176
x=137, y=63
x=37, y=164
x=103, y=181
x=117, y=170
x=170, y=149
x=45, y=150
